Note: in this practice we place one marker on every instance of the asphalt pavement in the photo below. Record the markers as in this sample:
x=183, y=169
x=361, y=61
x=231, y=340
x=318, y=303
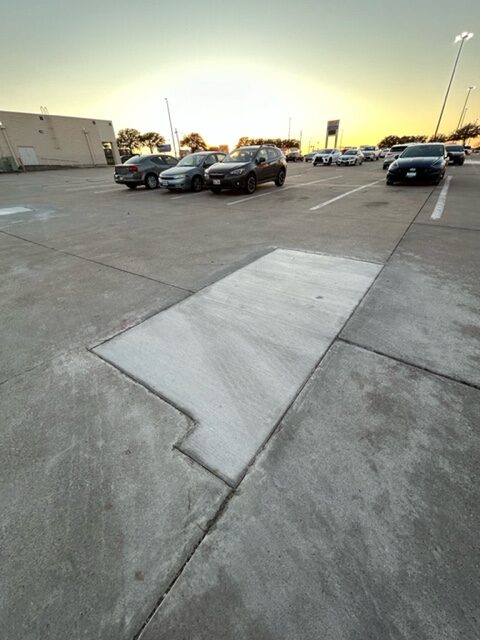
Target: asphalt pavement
x=234, y=417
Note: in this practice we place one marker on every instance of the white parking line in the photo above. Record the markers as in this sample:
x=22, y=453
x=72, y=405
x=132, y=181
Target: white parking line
x=293, y=186
x=111, y=190
x=84, y=188
x=442, y=199
x=11, y=210
x=177, y=197
x=343, y=195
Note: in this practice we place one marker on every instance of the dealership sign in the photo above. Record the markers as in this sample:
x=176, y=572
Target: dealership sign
x=332, y=127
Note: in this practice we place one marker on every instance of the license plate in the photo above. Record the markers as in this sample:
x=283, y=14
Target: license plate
x=216, y=181
x=411, y=174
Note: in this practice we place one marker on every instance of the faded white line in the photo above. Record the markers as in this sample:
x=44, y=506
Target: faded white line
x=442, y=199
x=293, y=186
x=11, y=210
x=343, y=195
x=111, y=190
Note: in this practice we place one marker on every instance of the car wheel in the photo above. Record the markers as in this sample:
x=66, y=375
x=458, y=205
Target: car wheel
x=280, y=178
x=197, y=183
x=251, y=184
x=151, y=181
x=132, y=186
x=215, y=189
x=461, y=162
x=329, y=161
x=389, y=183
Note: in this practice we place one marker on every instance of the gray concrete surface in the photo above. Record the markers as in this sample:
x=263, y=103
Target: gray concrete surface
x=100, y=513
x=235, y=355
x=97, y=510
x=425, y=306
x=359, y=521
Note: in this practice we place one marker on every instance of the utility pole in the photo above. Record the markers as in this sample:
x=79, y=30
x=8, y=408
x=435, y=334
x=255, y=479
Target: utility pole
x=171, y=128
x=289, y=123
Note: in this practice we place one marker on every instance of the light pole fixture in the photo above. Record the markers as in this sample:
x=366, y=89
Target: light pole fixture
x=462, y=37
x=289, y=123
x=462, y=114
x=171, y=128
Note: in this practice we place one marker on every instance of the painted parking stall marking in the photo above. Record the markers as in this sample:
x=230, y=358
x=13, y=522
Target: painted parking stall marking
x=343, y=195
x=442, y=200
x=8, y=211
x=293, y=186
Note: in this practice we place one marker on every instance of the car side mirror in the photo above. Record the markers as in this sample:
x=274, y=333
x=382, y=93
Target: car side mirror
x=260, y=160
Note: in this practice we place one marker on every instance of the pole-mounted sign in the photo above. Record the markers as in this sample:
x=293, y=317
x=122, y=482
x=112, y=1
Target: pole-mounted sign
x=332, y=130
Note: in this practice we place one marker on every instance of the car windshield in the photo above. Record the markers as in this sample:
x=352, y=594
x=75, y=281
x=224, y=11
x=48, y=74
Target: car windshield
x=369, y=148
x=454, y=147
x=191, y=161
x=244, y=154
x=350, y=152
x=423, y=151
x=397, y=149
x=325, y=151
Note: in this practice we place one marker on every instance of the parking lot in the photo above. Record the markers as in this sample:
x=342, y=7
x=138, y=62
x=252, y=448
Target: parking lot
x=355, y=511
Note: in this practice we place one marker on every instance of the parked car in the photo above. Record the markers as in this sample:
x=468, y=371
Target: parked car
x=425, y=162
x=394, y=152
x=383, y=152
x=468, y=149
x=370, y=152
x=456, y=153
x=308, y=157
x=246, y=167
x=350, y=156
x=294, y=156
x=189, y=173
x=326, y=156
x=143, y=170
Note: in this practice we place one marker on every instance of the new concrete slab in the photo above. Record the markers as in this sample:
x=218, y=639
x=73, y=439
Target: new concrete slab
x=98, y=512
x=51, y=302
x=359, y=520
x=425, y=305
x=235, y=355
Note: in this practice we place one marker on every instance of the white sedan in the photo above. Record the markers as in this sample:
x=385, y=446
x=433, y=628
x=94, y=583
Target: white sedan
x=351, y=156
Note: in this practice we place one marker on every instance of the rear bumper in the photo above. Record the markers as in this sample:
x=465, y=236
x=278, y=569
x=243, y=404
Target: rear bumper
x=128, y=178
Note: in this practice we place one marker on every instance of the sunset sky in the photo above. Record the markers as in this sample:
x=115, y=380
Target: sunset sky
x=235, y=68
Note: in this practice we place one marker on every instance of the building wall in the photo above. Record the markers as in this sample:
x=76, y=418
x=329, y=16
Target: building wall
x=56, y=140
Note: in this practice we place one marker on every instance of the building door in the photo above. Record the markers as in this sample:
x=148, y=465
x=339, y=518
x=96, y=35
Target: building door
x=28, y=155
x=107, y=148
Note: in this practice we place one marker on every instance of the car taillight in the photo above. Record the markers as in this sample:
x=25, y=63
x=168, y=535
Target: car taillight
x=132, y=169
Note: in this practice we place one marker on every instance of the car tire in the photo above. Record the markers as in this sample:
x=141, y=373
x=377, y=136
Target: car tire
x=329, y=161
x=389, y=183
x=197, y=183
x=151, y=181
x=215, y=189
x=132, y=186
x=250, y=184
x=461, y=163
x=280, y=179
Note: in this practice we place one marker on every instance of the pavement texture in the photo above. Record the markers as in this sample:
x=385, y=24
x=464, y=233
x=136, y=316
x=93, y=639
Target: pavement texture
x=354, y=514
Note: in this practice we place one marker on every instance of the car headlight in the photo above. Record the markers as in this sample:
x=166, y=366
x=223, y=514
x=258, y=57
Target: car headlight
x=393, y=166
x=237, y=172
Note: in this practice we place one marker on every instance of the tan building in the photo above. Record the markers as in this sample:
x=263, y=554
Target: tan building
x=32, y=141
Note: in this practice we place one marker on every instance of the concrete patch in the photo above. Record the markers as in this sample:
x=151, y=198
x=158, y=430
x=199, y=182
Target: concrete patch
x=359, y=520
x=98, y=513
x=234, y=355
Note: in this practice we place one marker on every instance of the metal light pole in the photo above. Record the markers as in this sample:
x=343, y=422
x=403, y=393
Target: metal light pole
x=171, y=128
x=463, y=117
x=289, y=123
x=462, y=114
x=460, y=38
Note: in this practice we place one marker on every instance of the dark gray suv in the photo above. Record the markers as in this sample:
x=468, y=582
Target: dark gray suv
x=246, y=167
x=143, y=170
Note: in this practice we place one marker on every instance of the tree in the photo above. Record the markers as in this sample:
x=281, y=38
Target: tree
x=194, y=141
x=440, y=137
x=129, y=139
x=466, y=132
x=151, y=139
x=244, y=141
x=388, y=141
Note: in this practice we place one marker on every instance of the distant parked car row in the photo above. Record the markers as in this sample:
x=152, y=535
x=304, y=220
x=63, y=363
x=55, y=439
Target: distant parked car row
x=243, y=169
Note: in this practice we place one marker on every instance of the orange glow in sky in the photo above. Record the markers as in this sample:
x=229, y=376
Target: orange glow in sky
x=379, y=67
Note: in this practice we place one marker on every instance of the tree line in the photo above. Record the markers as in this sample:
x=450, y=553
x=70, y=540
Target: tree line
x=463, y=134
x=289, y=143
x=131, y=140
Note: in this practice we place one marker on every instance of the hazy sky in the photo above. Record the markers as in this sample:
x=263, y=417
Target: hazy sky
x=243, y=67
